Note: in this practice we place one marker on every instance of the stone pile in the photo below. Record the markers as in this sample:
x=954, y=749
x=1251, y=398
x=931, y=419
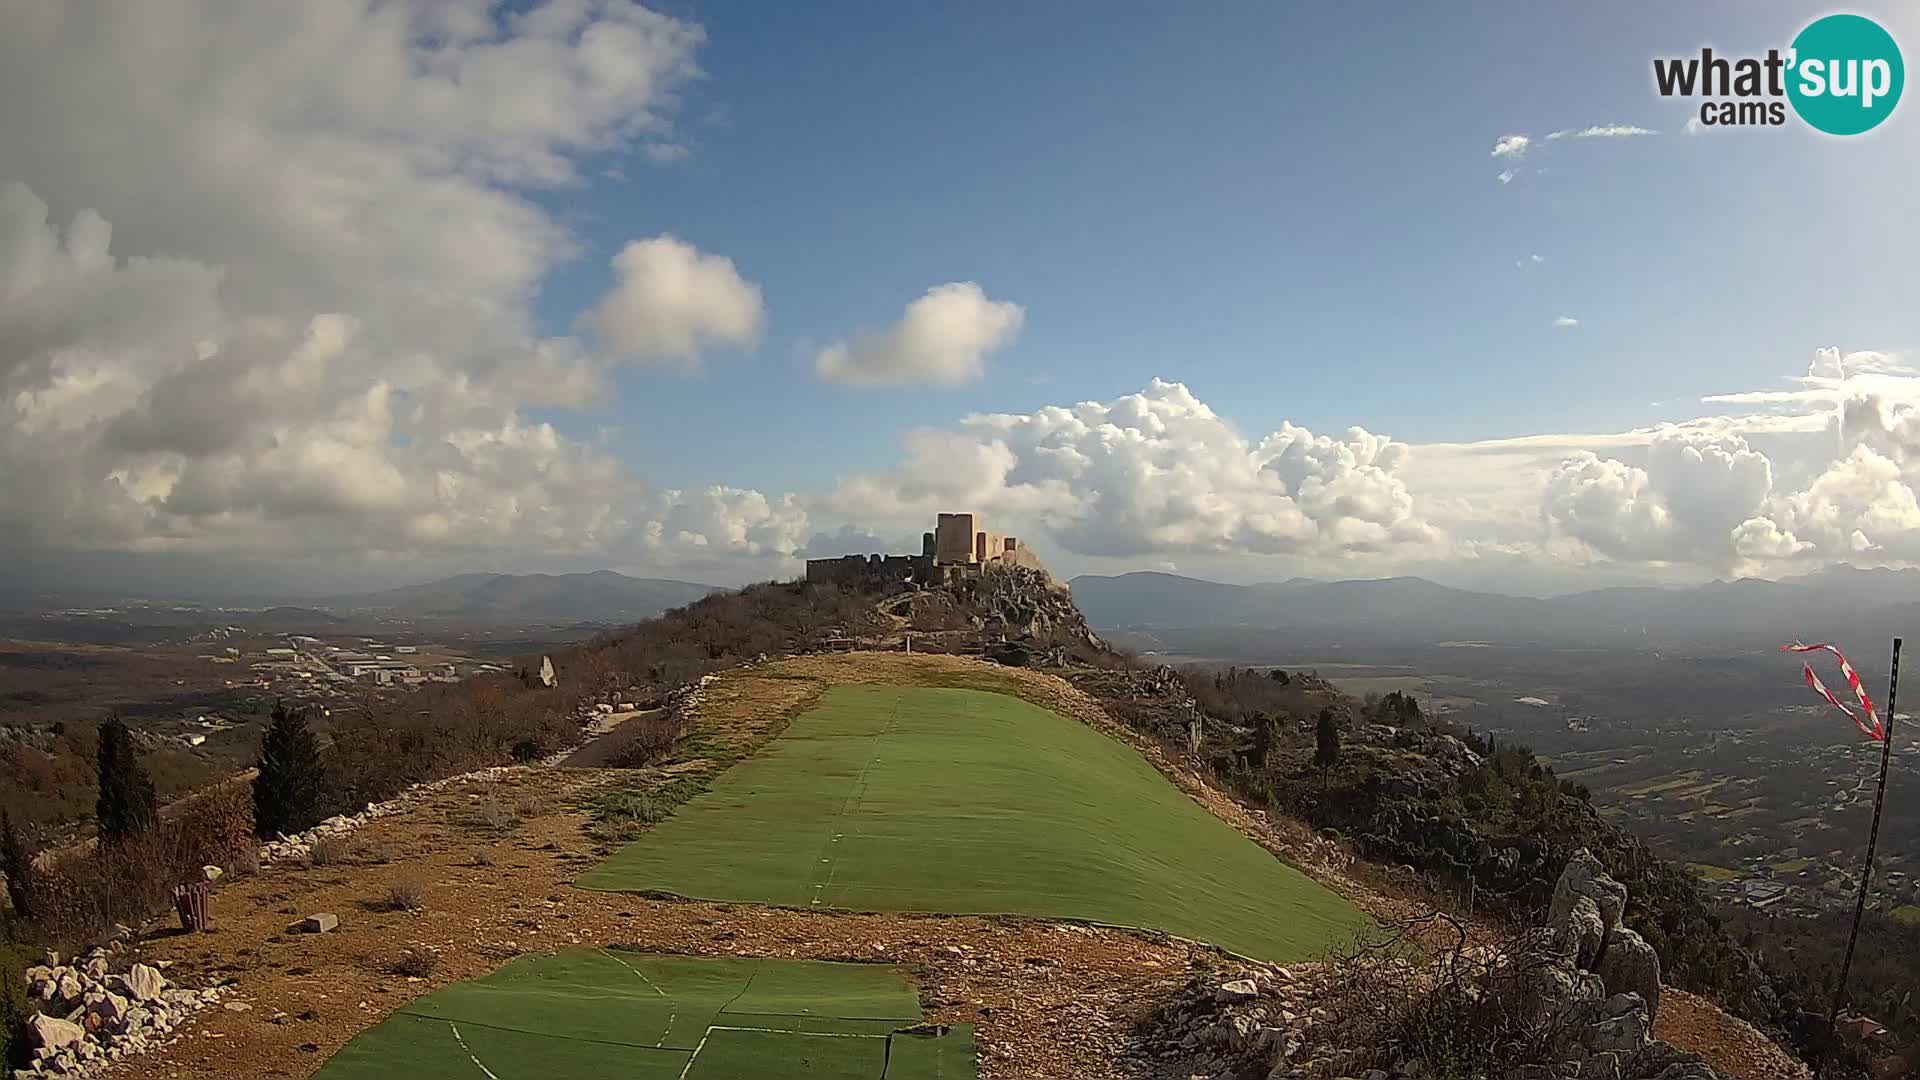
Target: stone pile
x=299, y=845
x=1239, y=1025
x=90, y=1016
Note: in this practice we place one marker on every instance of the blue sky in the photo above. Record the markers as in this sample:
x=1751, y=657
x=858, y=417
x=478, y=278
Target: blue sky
x=1291, y=209
x=383, y=290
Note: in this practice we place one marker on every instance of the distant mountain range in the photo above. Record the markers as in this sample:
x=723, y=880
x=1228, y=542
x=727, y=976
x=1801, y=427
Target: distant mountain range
x=1838, y=602
x=602, y=596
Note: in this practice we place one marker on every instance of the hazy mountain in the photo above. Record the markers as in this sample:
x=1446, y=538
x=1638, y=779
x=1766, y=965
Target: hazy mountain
x=600, y=596
x=1833, y=603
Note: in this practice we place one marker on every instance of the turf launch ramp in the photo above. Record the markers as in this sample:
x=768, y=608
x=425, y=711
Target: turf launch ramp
x=600, y=1014
x=885, y=798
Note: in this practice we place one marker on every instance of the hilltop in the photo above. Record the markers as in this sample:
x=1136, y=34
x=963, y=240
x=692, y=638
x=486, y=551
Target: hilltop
x=1409, y=816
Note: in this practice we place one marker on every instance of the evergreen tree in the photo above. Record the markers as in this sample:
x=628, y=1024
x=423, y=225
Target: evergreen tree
x=127, y=806
x=288, y=792
x=16, y=862
x=1326, y=752
x=1262, y=740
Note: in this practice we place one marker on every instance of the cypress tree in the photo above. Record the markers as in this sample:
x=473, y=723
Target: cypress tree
x=1326, y=753
x=289, y=791
x=127, y=806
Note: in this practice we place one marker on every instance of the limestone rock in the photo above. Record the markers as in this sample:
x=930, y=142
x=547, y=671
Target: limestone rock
x=1584, y=876
x=319, y=923
x=1236, y=990
x=1623, y=1026
x=1579, y=933
x=108, y=1012
x=143, y=983
x=53, y=1033
x=1630, y=966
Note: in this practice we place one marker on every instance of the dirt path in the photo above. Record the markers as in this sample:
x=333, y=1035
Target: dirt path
x=607, y=736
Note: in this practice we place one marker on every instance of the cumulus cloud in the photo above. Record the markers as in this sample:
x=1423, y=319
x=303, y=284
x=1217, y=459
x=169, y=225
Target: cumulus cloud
x=285, y=305
x=1565, y=322
x=1511, y=146
x=1695, y=490
x=670, y=299
x=943, y=338
x=1157, y=472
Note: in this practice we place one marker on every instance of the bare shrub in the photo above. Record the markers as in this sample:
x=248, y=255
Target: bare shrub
x=483, y=857
x=415, y=963
x=406, y=894
x=1419, y=991
x=645, y=741
x=330, y=851
x=493, y=816
x=529, y=806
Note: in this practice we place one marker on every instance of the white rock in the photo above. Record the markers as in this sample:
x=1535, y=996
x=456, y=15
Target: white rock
x=1235, y=991
x=144, y=983
x=53, y=1033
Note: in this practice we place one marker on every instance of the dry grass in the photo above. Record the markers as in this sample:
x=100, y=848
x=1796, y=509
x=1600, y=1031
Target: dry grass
x=330, y=851
x=405, y=894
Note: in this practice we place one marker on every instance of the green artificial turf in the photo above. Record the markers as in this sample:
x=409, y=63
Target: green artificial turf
x=595, y=1014
x=960, y=801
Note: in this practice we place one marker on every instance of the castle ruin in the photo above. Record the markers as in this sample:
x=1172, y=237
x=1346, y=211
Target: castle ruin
x=956, y=547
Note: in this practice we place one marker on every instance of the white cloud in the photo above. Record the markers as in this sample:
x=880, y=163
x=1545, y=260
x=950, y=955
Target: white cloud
x=1530, y=260
x=1511, y=146
x=670, y=299
x=284, y=305
x=943, y=338
x=1506, y=176
x=1157, y=472
x=1684, y=506
x=1565, y=322
x=1603, y=131
x=1693, y=126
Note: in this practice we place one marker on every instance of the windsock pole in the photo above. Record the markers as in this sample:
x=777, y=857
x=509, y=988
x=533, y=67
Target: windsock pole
x=1873, y=837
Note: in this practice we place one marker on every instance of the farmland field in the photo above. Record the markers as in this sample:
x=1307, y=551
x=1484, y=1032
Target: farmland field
x=598, y=1014
x=887, y=798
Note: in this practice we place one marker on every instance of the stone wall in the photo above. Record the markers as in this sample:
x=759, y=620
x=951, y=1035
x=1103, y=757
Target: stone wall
x=869, y=570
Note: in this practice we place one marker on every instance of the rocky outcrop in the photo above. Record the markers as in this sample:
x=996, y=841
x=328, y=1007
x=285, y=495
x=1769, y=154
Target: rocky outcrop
x=1582, y=989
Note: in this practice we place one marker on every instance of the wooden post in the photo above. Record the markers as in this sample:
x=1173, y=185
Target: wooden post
x=1873, y=839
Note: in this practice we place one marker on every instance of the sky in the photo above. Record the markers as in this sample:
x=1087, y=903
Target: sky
x=361, y=293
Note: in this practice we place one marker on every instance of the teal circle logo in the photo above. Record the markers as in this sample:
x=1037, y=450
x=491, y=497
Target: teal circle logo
x=1845, y=74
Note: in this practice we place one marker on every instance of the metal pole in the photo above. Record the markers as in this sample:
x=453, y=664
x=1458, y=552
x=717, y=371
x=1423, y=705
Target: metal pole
x=1873, y=838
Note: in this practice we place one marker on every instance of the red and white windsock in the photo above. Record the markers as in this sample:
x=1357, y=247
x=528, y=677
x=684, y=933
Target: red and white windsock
x=1871, y=727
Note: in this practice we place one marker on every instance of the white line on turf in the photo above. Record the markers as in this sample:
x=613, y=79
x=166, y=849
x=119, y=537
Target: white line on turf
x=671, y=1014
x=476, y=1061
